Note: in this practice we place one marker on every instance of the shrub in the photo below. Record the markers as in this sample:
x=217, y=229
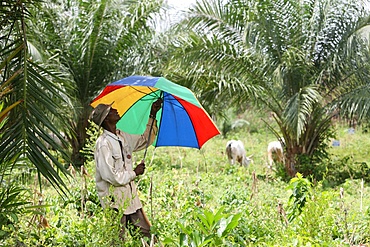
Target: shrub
x=206, y=229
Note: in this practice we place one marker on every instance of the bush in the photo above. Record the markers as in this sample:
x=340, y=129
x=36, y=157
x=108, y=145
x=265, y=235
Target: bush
x=338, y=170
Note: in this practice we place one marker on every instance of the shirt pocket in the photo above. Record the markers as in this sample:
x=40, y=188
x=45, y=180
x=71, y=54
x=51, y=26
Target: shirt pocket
x=116, y=156
x=117, y=159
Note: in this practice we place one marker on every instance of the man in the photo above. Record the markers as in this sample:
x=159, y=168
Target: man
x=114, y=169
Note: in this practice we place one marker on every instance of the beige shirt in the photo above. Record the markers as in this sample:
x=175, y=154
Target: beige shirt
x=114, y=172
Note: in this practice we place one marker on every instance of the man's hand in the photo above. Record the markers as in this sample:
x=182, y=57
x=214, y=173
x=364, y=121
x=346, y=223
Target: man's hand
x=156, y=106
x=140, y=168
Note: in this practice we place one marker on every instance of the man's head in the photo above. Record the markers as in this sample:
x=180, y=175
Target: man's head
x=100, y=112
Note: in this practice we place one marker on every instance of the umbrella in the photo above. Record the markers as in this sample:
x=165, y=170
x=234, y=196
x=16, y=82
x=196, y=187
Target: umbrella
x=182, y=121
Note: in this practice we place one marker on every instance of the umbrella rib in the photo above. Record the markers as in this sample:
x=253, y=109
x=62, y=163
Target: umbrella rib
x=151, y=89
x=137, y=90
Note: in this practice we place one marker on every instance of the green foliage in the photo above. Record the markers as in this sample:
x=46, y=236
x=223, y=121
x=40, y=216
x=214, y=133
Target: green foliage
x=257, y=52
x=11, y=207
x=341, y=169
x=92, y=133
x=303, y=61
x=32, y=97
x=318, y=218
x=181, y=187
x=90, y=199
x=206, y=229
x=301, y=191
x=94, y=43
x=314, y=165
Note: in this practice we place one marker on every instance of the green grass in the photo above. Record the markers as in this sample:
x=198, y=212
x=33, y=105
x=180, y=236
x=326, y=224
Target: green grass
x=189, y=194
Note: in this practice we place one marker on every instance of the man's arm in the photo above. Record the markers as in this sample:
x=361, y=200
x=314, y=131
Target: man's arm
x=139, y=142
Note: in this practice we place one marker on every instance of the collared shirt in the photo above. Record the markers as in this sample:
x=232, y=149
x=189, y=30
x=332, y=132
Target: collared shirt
x=114, y=172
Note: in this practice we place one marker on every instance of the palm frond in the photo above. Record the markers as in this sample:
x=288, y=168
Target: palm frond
x=217, y=19
x=299, y=108
x=95, y=43
x=34, y=95
x=356, y=103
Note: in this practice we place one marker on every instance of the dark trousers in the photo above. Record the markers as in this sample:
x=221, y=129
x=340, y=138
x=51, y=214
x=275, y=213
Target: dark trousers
x=135, y=222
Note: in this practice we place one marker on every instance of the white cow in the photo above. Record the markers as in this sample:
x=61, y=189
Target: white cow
x=275, y=152
x=236, y=152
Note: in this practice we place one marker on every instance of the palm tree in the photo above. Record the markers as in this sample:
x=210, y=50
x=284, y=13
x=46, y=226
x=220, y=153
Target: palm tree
x=300, y=59
x=28, y=99
x=96, y=43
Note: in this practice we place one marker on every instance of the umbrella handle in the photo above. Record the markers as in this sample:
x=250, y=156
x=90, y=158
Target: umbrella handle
x=150, y=131
x=147, y=143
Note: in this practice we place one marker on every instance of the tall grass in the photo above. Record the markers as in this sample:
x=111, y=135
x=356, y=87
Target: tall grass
x=195, y=198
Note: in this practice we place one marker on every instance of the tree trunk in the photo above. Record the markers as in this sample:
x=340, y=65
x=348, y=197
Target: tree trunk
x=79, y=139
x=291, y=159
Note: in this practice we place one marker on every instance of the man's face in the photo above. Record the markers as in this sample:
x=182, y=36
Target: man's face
x=113, y=116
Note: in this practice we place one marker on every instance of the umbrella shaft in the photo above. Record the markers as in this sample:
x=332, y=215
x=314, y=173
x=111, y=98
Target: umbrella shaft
x=148, y=142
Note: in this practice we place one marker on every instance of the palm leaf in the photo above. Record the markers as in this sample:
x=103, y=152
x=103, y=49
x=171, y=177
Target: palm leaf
x=299, y=59
x=298, y=110
x=32, y=97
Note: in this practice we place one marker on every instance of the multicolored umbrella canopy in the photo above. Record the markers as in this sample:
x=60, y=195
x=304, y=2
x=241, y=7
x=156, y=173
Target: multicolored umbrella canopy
x=182, y=121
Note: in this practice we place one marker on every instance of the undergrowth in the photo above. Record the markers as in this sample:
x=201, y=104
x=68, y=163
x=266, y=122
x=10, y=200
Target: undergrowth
x=195, y=198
